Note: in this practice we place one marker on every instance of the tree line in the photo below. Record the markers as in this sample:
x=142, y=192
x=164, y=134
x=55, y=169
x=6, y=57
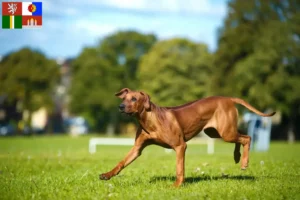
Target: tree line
x=257, y=59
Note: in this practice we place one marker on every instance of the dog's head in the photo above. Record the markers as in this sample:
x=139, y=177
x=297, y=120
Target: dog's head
x=133, y=101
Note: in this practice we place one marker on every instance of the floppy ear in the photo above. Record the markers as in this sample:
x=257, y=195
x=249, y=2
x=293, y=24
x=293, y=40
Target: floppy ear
x=121, y=94
x=147, y=104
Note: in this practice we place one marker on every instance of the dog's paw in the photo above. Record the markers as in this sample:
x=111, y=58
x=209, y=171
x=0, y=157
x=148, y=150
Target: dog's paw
x=237, y=157
x=104, y=177
x=244, y=167
x=244, y=164
x=176, y=185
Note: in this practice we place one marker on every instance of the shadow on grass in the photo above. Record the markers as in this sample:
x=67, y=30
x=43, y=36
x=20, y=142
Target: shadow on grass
x=190, y=180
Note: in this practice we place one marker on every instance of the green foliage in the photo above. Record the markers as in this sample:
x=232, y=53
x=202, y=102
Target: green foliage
x=62, y=168
x=258, y=52
x=93, y=80
x=93, y=83
x=124, y=49
x=101, y=71
x=28, y=72
x=29, y=77
x=176, y=71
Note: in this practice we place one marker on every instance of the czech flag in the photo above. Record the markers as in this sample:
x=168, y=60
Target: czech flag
x=32, y=8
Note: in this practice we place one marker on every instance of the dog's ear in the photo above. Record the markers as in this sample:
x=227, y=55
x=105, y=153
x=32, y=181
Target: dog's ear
x=147, y=104
x=121, y=94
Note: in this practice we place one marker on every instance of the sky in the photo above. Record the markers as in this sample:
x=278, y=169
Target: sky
x=70, y=25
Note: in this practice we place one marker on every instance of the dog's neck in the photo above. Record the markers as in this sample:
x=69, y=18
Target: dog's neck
x=150, y=119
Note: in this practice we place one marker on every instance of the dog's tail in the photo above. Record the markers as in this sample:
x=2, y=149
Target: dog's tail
x=247, y=105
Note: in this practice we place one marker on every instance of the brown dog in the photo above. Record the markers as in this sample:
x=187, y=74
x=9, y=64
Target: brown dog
x=172, y=127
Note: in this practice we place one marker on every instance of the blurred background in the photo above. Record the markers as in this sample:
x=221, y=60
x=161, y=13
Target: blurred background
x=61, y=79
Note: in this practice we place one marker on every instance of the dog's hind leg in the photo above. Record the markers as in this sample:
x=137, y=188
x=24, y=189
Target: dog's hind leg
x=239, y=139
x=245, y=140
x=237, y=153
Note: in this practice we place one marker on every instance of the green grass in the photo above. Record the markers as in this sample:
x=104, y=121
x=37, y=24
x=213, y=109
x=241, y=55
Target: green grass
x=61, y=168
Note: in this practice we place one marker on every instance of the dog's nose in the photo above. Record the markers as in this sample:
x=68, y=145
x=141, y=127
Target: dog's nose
x=122, y=106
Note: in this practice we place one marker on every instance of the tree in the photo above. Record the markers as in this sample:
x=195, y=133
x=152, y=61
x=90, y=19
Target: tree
x=176, y=71
x=124, y=49
x=101, y=71
x=29, y=77
x=94, y=82
x=259, y=53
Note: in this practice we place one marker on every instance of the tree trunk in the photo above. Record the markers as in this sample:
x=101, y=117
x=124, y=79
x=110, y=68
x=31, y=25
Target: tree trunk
x=49, y=126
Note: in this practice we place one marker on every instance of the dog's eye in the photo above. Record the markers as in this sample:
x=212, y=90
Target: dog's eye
x=133, y=99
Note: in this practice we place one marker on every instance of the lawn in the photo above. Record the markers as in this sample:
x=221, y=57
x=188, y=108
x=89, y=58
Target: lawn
x=60, y=167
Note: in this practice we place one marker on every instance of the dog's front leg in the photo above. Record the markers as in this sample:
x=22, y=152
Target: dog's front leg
x=136, y=150
x=180, y=162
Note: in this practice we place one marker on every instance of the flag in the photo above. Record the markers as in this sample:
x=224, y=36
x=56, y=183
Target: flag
x=11, y=8
x=32, y=8
x=11, y=22
x=32, y=21
x=17, y=15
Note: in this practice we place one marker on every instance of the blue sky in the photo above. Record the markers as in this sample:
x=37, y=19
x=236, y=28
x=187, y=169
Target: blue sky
x=70, y=25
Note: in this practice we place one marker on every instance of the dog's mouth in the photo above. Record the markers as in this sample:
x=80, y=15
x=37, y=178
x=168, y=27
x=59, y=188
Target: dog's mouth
x=130, y=114
x=127, y=113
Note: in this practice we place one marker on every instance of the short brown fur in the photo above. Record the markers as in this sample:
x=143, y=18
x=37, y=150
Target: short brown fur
x=172, y=127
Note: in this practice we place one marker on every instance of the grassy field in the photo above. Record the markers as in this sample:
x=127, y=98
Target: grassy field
x=61, y=168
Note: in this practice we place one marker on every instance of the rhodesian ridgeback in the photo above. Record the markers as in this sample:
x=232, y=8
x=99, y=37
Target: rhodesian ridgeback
x=172, y=127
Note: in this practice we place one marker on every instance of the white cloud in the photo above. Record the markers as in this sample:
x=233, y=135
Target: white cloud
x=71, y=11
x=57, y=8
x=187, y=6
x=48, y=6
x=93, y=28
x=203, y=6
x=131, y=4
x=51, y=24
x=39, y=36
